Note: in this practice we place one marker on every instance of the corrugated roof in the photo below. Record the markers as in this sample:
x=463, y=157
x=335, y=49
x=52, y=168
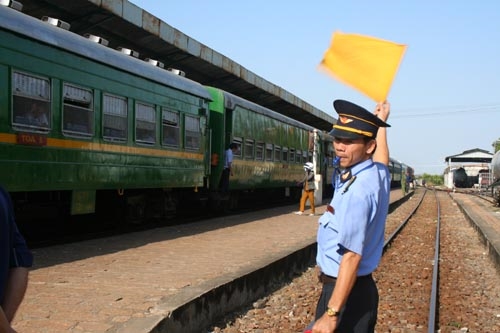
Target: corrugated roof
x=471, y=156
x=124, y=24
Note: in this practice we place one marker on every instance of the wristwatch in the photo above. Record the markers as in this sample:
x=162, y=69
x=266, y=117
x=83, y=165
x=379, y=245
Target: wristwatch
x=331, y=312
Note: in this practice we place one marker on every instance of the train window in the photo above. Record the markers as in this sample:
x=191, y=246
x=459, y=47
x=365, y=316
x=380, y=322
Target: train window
x=145, y=123
x=259, y=151
x=298, y=156
x=78, y=111
x=238, y=142
x=193, y=134
x=292, y=155
x=277, y=153
x=269, y=152
x=397, y=171
x=249, y=149
x=115, y=112
x=30, y=102
x=170, y=128
x=285, y=154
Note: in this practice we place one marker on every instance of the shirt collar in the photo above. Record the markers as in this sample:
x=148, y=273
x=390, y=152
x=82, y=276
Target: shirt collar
x=360, y=166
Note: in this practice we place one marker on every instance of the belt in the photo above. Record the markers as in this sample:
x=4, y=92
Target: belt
x=330, y=209
x=323, y=278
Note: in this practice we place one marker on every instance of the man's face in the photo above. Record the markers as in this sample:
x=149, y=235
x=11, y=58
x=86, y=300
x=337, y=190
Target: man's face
x=352, y=151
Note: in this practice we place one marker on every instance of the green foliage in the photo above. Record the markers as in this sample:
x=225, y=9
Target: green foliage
x=432, y=180
x=496, y=145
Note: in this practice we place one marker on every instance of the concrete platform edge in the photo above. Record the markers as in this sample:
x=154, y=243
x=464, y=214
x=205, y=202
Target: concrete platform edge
x=200, y=306
x=493, y=252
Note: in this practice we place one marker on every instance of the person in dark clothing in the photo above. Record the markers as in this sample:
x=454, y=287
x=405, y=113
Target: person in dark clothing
x=15, y=260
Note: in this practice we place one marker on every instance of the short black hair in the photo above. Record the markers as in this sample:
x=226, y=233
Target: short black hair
x=233, y=145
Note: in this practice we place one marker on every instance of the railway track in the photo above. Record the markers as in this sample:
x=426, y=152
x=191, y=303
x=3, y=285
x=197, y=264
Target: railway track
x=462, y=296
x=407, y=278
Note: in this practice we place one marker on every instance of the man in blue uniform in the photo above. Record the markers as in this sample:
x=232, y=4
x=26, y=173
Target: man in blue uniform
x=228, y=167
x=15, y=258
x=351, y=232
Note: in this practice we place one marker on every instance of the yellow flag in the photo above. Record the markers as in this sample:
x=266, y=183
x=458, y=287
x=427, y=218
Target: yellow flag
x=365, y=63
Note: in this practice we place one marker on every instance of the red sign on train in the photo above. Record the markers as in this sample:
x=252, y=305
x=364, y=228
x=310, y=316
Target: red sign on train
x=31, y=139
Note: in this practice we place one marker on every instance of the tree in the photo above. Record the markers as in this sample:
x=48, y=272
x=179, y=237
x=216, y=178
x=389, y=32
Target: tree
x=433, y=180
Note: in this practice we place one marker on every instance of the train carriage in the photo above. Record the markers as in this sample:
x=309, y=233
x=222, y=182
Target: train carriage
x=272, y=148
x=81, y=122
x=397, y=172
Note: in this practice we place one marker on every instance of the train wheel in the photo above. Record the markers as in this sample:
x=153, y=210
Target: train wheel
x=233, y=200
x=216, y=204
x=496, y=195
x=136, y=209
x=169, y=209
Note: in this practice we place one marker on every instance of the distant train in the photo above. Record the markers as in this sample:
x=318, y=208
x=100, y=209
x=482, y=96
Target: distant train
x=88, y=129
x=495, y=170
x=460, y=178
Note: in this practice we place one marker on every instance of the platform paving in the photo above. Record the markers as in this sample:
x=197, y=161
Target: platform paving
x=133, y=282
x=485, y=218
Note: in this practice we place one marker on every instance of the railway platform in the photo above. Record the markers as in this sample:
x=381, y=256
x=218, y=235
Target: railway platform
x=485, y=218
x=168, y=279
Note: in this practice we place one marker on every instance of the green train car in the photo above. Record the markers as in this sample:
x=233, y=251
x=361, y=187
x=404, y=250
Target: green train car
x=272, y=148
x=85, y=128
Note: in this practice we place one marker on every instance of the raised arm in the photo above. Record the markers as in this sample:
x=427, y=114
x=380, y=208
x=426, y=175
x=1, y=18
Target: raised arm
x=381, y=154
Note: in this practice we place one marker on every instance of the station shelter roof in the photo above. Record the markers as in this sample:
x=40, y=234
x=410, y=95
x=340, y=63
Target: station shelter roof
x=124, y=24
x=471, y=156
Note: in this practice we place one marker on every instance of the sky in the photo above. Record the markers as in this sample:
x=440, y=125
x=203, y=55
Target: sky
x=445, y=98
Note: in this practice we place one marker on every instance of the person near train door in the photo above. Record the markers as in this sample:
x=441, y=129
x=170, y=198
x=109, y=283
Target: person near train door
x=350, y=234
x=308, y=188
x=228, y=167
x=15, y=260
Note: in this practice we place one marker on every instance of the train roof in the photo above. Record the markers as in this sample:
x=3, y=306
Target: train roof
x=471, y=156
x=125, y=24
x=231, y=101
x=46, y=33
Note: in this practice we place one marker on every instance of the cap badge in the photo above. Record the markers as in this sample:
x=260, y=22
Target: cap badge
x=345, y=120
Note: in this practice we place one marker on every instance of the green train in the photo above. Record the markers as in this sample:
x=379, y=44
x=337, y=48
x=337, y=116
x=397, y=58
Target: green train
x=272, y=149
x=89, y=129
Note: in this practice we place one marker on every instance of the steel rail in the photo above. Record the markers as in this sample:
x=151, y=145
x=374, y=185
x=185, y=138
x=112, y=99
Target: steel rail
x=435, y=273
x=401, y=226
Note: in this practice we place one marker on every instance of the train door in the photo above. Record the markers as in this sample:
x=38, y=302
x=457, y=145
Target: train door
x=217, y=127
x=228, y=128
x=327, y=154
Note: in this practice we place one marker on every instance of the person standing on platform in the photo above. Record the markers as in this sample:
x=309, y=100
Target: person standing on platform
x=15, y=260
x=228, y=164
x=308, y=189
x=350, y=234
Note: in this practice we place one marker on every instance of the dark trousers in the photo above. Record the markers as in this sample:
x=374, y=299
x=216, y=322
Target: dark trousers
x=224, y=181
x=359, y=314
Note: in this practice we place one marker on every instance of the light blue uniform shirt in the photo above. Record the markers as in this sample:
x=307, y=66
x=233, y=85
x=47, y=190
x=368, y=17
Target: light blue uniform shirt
x=228, y=158
x=358, y=221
